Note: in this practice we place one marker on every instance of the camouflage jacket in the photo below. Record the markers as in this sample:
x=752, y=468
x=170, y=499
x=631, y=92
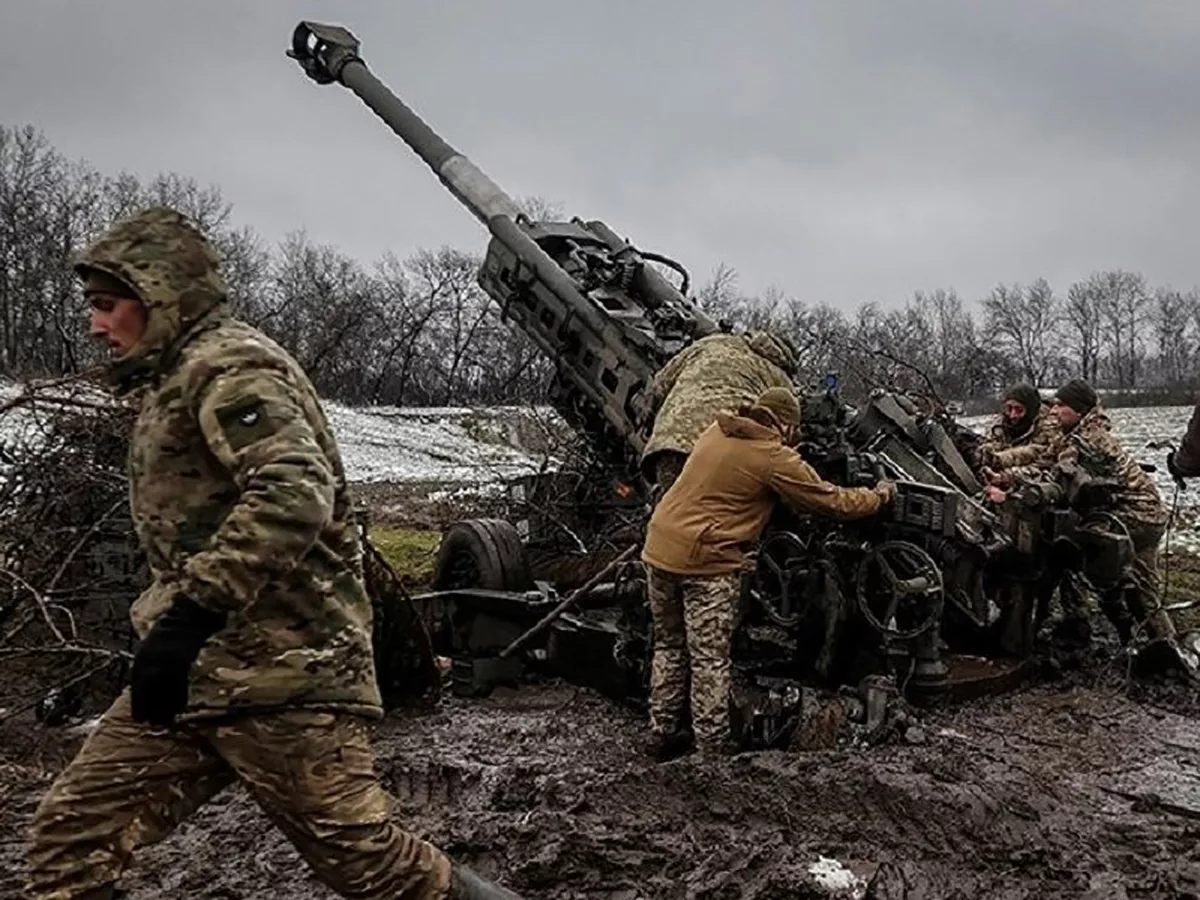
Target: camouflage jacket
x=1026, y=453
x=1091, y=446
x=1187, y=457
x=718, y=373
x=237, y=489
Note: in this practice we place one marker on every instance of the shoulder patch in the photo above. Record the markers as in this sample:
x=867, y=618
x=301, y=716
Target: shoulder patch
x=245, y=422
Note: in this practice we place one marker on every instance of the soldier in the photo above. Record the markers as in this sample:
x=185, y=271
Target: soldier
x=695, y=550
x=1185, y=462
x=718, y=373
x=255, y=661
x=1086, y=444
x=1018, y=447
x=1024, y=431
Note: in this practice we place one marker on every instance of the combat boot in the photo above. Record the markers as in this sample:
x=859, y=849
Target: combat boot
x=466, y=885
x=665, y=747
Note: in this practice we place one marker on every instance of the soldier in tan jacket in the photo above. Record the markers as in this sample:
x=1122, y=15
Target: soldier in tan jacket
x=695, y=550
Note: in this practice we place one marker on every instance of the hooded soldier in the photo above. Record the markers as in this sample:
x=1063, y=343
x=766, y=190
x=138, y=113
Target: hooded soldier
x=718, y=373
x=255, y=660
x=1023, y=432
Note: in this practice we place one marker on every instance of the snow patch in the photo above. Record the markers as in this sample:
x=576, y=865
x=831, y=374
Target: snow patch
x=831, y=875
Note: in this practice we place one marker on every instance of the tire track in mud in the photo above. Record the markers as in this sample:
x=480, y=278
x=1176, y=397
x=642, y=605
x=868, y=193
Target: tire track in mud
x=1046, y=794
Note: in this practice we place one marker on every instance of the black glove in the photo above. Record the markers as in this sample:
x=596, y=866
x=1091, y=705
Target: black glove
x=1174, y=472
x=158, y=687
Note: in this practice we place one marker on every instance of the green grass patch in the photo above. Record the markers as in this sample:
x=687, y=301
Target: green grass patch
x=410, y=551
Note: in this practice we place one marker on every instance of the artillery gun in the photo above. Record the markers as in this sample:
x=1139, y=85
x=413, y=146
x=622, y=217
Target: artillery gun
x=937, y=574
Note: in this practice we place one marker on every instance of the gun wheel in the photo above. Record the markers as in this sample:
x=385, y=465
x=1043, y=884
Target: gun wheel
x=482, y=553
x=899, y=590
x=778, y=580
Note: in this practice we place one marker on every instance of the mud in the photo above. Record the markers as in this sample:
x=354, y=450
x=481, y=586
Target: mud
x=1081, y=789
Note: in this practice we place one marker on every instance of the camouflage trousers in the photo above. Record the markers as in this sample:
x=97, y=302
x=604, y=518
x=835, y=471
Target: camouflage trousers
x=667, y=466
x=1135, y=601
x=310, y=772
x=693, y=625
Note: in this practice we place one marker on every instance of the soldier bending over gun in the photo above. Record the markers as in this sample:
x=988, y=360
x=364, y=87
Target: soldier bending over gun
x=718, y=373
x=695, y=550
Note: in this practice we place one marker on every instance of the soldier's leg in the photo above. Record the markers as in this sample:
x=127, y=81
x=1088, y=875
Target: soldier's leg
x=1143, y=594
x=709, y=609
x=312, y=773
x=669, y=666
x=128, y=786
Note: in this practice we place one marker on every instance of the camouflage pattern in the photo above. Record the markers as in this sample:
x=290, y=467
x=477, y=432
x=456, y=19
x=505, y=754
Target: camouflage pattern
x=1186, y=459
x=1135, y=602
x=693, y=626
x=667, y=467
x=1028, y=450
x=718, y=373
x=310, y=771
x=237, y=488
x=1091, y=446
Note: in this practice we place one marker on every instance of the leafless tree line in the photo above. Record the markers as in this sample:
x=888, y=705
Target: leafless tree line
x=419, y=331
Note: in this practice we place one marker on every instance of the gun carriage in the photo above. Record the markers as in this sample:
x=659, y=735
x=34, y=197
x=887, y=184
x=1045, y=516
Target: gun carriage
x=936, y=590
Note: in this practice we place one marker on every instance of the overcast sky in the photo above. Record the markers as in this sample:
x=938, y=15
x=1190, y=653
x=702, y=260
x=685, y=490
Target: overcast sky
x=843, y=151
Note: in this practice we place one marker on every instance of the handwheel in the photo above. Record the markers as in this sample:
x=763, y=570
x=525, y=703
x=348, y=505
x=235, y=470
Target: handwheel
x=899, y=590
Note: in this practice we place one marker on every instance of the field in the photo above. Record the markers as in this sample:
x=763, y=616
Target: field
x=1082, y=786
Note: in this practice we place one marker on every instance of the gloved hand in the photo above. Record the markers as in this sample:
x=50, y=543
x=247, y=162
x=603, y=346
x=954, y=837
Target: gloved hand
x=1174, y=472
x=158, y=687
x=886, y=491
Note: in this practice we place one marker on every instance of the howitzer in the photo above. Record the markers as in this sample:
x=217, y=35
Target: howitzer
x=589, y=300
x=901, y=584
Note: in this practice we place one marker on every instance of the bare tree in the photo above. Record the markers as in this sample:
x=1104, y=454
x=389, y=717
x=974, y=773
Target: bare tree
x=1026, y=323
x=1172, y=333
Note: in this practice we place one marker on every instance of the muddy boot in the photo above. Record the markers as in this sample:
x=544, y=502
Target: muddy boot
x=665, y=747
x=719, y=747
x=466, y=885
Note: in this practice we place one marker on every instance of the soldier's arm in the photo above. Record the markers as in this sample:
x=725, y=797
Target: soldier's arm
x=1017, y=457
x=1187, y=457
x=802, y=489
x=256, y=427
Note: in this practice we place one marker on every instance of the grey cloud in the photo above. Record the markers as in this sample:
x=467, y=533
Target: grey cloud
x=842, y=151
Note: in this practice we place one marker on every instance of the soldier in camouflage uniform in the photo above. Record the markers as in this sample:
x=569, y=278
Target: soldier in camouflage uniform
x=1018, y=447
x=695, y=551
x=255, y=660
x=1024, y=431
x=1086, y=444
x=718, y=373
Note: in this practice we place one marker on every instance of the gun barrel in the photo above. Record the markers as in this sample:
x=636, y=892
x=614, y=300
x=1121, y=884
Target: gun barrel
x=330, y=53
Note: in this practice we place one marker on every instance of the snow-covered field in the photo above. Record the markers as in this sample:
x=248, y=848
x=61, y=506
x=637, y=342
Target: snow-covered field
x=455, y=446
x=444, y=445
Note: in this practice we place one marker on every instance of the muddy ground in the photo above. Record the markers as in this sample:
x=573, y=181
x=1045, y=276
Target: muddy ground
x=1084, y=788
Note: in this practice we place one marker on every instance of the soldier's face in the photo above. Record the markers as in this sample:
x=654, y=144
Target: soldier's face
x=1067, y=417
x=118, y=321
x=1013, y=411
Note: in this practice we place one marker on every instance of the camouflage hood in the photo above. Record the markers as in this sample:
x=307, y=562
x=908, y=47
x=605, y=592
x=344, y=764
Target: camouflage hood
x=174, y=271
x=773, y=348
x=1095, y=420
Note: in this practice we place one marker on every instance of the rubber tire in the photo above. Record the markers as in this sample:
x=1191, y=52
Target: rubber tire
x=495, y=551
